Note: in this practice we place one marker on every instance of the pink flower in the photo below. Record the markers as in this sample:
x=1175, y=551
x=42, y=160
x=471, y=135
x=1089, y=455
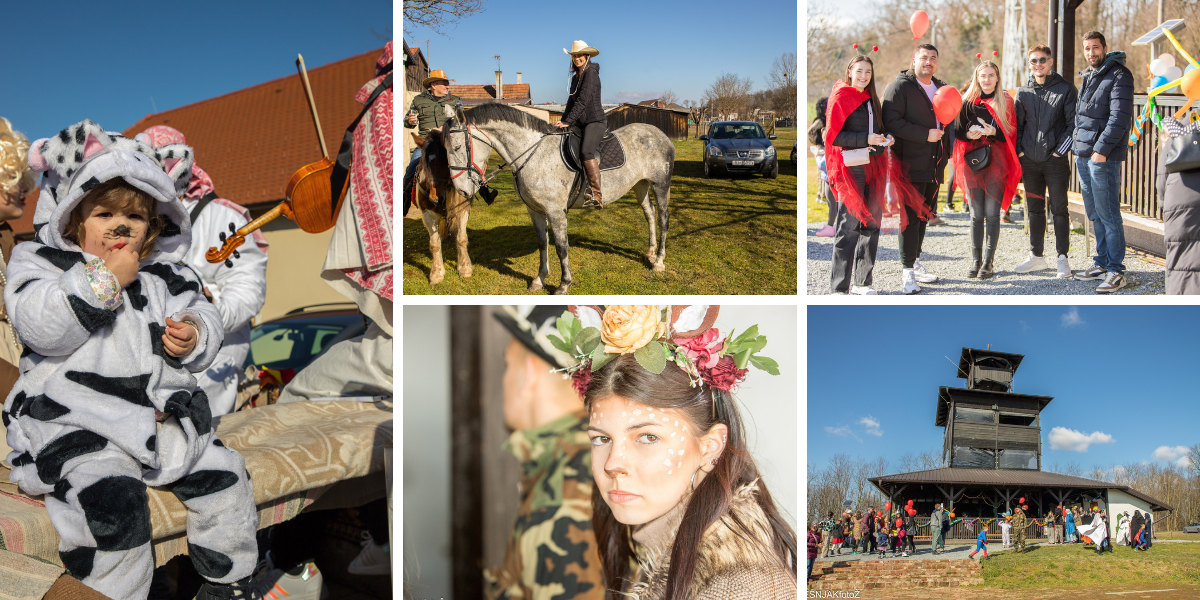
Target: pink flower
x=702, y=349
x=580, y=379
x=724, y=375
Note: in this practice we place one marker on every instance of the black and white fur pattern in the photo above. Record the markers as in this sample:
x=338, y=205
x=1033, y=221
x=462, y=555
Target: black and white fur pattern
x=82, y=417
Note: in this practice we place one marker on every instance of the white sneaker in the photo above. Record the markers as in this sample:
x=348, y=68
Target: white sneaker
x=1064, y=267
x=862, y=290
x=1031, y=264
x=274, y=584
x=373, y=560
x=922, y=275
x=910, y=282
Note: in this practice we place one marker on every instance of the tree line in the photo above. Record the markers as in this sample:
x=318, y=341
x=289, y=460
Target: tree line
x=732, y=94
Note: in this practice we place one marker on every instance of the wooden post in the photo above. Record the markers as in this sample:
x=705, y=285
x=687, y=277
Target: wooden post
x=466, y=491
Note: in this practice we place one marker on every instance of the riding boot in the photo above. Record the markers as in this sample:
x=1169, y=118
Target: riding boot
x=407, y=190
x=593, y=200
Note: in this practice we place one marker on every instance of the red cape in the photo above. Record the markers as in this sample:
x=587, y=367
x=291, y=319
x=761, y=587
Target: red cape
x=887, y=176
x=1005, y=164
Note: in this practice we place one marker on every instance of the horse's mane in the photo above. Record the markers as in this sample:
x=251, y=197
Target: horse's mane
x=495, y=111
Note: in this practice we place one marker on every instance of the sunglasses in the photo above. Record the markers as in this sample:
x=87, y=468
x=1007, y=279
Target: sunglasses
x=1038, y=61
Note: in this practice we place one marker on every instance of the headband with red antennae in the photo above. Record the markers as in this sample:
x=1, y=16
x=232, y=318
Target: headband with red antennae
x=980, y=55
x=860, y=53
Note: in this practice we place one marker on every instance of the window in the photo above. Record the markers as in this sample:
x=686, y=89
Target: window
x=976, y=458
x=1018, y=459
x=1018, y=419
x=294, y=343
x=975, y=415
x=738, y=131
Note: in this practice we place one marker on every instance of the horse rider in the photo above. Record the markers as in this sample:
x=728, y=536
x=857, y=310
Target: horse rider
x=427, y=112
x=583, y=108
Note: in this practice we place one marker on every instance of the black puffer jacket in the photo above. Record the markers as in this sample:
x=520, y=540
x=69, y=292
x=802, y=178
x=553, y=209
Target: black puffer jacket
x=1045, y=117
x=854, y=131
x=1179, y=196
x=1105, y=111
x=583, y=106
x=908, y=116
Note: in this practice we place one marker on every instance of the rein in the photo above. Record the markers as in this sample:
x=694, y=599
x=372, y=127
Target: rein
x=472, y=167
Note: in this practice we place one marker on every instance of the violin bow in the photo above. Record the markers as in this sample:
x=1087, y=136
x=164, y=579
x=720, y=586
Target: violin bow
x=311, y=104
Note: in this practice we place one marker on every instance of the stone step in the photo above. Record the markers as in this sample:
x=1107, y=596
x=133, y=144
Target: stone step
x=861, y=575
x=859, y=585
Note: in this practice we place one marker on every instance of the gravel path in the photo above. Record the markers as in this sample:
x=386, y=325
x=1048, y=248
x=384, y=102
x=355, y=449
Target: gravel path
x=947, y=251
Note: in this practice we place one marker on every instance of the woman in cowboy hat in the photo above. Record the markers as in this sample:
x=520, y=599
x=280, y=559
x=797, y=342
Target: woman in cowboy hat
x=583, y=109
x=426, y=113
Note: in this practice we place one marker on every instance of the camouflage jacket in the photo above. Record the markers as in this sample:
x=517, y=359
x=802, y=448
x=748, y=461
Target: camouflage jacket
x=430, y=114
x=552, y=551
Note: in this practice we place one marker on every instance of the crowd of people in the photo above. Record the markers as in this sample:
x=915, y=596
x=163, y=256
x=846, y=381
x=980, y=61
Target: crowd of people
x=887, y=155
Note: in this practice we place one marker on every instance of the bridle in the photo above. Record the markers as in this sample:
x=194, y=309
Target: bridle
x=474, y=170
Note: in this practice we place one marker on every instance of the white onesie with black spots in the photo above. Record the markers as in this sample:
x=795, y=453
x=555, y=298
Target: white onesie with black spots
x=101, y=409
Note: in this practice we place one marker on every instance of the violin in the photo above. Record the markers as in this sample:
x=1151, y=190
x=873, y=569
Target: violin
x=307, y=200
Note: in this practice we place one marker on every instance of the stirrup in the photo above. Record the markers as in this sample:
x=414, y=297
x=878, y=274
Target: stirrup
x=589, y=201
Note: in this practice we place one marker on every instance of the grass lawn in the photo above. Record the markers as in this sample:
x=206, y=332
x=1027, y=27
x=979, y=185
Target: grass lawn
x=1176, y=535
x=726, y=236
x=1075, y=567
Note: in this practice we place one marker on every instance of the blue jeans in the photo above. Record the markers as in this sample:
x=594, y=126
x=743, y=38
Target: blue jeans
x=1101, y=187
x=810, y=566
x=412, y=164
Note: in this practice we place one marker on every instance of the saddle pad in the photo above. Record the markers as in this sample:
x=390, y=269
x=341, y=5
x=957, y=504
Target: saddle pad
x=610, y=152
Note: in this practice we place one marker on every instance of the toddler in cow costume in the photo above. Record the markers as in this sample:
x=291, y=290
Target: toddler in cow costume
x=107, y=403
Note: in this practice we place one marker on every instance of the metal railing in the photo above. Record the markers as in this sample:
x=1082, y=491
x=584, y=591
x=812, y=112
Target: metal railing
x=968, y=529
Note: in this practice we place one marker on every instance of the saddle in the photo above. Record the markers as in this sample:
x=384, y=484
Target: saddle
x=610, y=151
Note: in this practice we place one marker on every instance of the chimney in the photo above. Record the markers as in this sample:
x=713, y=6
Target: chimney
x=518, y=78
x=499, y=85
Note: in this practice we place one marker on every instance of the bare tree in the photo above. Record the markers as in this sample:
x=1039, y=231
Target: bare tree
x=728, y=93
x=668, y=98
x=783, y=80
x=438, y=14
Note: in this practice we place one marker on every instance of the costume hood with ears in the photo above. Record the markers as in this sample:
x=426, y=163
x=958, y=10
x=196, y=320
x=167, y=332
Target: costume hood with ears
x=84, y=156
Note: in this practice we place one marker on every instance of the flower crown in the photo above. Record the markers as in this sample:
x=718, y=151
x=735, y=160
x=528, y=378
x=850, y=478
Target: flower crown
x=655, y=335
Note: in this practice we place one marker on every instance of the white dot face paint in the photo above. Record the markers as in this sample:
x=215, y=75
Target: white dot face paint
x=673, y=435
x=637, y=412
x=666, y=419
x=667, y=462
x=681, y=451
x=623, y=413
x=668, y=471
x=670, y=451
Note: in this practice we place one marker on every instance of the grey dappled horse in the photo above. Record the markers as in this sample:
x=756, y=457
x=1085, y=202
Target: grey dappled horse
x=543, y=182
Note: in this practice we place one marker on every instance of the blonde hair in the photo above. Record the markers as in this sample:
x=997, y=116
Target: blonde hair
x=1000, y=101
x=112, y=194
x=15, y=174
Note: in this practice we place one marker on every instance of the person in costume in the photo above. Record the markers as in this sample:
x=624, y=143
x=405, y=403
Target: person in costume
x=826, y=533
x=986, y=124
x=1123, y=529
x=17, y=180
x=550, y=440
x=1018, y=524
x=238, y=288
x=1096, y=530
x=981, y=543
x=427, y=112
x=924, y=146
x=1070, y=525
x=107, y=402
x=583, y=109
x=1149, y=534
x=1045, y=108
x=676, y=487
x=860, y=172
x=1005, y=529
x=882, y=539
x=937, y=524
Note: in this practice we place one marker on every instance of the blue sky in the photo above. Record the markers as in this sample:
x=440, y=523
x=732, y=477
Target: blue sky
x=645, y=47
x=1124, y=379
x=71, y=60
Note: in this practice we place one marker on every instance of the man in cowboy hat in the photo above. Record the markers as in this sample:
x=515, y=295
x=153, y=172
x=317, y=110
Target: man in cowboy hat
x=426, y=112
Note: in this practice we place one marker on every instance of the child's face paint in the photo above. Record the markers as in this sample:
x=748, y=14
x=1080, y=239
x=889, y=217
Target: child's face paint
x=642, y=466
x=107, y=229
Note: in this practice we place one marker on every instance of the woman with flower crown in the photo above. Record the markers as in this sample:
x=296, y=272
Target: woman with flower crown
x=676, y=488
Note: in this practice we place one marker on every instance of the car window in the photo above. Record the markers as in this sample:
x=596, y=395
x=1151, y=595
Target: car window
x=738, y=131
x=294, y=343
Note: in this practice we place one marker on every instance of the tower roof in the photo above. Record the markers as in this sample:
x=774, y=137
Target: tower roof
x=972, y=355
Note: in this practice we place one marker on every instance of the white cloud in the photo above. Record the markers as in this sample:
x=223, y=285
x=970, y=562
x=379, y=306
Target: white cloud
x=1118, y=470
x=1071, y=318
x=1169, y=453
x=1062, y=438
x=1184, y=462
x=871, y=424
x=1024, y=326
x=843, y=431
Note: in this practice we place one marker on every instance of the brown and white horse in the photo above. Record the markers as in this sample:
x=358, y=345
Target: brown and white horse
x=444, y=210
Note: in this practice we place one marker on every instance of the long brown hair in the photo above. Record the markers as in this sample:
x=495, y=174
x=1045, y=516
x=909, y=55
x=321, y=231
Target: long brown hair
x=1000, y=100
x=875, y=106
x=624, y=377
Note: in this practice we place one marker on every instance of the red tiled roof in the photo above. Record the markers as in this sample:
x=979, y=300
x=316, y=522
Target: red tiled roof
x=483, y=92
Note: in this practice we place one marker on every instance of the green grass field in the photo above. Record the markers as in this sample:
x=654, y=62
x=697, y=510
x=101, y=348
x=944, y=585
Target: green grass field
x=1075, y=567
x=726, y=236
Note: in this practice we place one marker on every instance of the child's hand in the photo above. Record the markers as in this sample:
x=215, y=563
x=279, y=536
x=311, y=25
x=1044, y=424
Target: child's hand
x=180, y=338
x=123, y=262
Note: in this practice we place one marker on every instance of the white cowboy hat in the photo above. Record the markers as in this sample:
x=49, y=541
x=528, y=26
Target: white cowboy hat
x=581, y=47
x=436, y=75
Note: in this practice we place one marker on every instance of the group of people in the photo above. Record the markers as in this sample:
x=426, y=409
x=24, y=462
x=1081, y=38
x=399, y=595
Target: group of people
x=889, y=152
x=121, y=343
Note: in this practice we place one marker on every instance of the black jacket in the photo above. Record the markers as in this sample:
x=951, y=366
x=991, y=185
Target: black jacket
x=816, y=131
x=853, y=134
x=1105, y=112
x=969, y=115
x=583, y=106
x=908, y=116
x=1045, y=117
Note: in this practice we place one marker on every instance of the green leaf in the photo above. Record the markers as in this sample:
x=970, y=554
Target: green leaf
x=600, y=358
x=765, y=364
x=755, y=345
x=587, y=340
x=747, y=335
x=741, y=358
x=576, y=326
x=559, y=343
x=564, y=326
x=652, y=357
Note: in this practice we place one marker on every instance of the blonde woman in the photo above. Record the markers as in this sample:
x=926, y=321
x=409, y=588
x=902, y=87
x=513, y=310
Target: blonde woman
x=16, y=182
x=986, y=167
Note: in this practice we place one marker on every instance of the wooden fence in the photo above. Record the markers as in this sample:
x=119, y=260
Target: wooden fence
x=968, y=529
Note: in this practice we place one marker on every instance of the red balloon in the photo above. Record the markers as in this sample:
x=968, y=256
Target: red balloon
x=874, y=48
x=1024, y=507
x=919, y=23
x=946, y=104
x=887, y=506
x=912, y=512
x=1022, y=500
x=899, y=522
x=910, y=502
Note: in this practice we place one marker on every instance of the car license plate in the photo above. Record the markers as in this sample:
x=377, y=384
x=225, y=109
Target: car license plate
x=742, y=163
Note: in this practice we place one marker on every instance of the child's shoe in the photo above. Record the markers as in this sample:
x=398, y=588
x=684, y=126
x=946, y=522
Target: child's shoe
x=242, y=589
x=301, y=583
x=375, y=559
